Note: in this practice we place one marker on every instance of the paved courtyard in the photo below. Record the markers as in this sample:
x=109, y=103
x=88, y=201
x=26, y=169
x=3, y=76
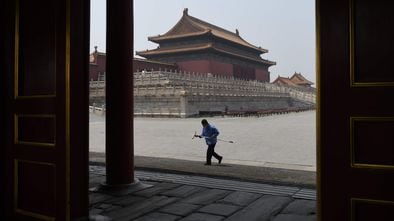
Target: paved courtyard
x=279, y=141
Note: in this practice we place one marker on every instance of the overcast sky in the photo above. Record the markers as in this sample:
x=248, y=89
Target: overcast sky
x=285, y=27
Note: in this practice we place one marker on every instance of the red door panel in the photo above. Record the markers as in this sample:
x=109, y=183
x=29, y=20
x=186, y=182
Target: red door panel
x=46, y=144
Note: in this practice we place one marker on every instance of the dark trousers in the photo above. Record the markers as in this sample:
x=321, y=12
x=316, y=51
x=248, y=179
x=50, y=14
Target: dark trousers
x=211, y=152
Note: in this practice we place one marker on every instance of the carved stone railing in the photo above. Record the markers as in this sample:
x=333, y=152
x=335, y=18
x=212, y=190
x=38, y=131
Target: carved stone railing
x=182, y=83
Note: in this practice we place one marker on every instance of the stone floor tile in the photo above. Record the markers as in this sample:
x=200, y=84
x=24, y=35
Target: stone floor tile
x=96, y=180
x=181, y=209
x=97, y=198
x=167, y=201
x=294, y=217
x=202, y=217
x=121, y=191
x=301, y=207
x=206, y=197
x=106, y=207
x=150, y=182
x=240, y=198
x=156, y=189
x=95, y=211
x=261, y=209
x=183, y=191
x=135, y=210
x=99, y=218
x=125, y=200
x=220, y=209
x=156, y=216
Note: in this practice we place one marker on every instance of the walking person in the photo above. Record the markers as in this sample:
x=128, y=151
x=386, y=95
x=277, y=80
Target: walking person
x=210, y=133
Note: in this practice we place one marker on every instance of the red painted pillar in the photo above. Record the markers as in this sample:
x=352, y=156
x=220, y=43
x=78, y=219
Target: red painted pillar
x=119, y=94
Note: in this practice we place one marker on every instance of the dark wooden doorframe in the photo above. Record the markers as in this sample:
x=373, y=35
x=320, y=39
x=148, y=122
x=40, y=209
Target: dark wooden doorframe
x=5, y=44
x=355, y=110
x=64, y=160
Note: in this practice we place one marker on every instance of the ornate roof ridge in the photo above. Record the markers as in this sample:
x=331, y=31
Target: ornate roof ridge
x=176, y=49
x=161, y=37
x=202, y=27
x=215, y=27
x=301, y=77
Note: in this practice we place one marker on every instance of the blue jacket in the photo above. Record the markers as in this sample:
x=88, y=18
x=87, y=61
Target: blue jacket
x=210, y=133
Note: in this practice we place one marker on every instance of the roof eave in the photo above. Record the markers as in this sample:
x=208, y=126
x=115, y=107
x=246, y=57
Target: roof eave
x=257, y=49
x=149, y=53
x=162, y=38
x=158, y=52
x=154, y=62
x=263, y=61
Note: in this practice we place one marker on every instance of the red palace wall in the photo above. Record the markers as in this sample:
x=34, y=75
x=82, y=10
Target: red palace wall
x=200, y=66
x=244, y=72
x=221, y=68
x=262, y=75
x=206, y=66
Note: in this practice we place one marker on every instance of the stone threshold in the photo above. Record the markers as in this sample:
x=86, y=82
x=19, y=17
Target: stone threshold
x=277, y=176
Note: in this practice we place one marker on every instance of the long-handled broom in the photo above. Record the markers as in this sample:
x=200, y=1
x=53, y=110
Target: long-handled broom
x=228, y=141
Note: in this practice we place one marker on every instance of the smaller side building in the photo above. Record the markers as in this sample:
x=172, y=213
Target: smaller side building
x=300, y=80
x=97, y=65
x=296, y=80
x=283, y=81
x=140, y=64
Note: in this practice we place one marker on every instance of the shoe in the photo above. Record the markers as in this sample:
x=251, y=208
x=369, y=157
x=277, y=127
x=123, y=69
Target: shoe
x=207, y=164
x=220, y=160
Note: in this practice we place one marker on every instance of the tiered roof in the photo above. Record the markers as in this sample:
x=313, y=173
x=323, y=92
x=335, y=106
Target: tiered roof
x=300, y=80
x=284, y=81
x=191, y=27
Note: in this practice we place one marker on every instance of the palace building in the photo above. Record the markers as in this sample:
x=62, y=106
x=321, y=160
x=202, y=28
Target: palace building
x=198, y=46
x=193, y=45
